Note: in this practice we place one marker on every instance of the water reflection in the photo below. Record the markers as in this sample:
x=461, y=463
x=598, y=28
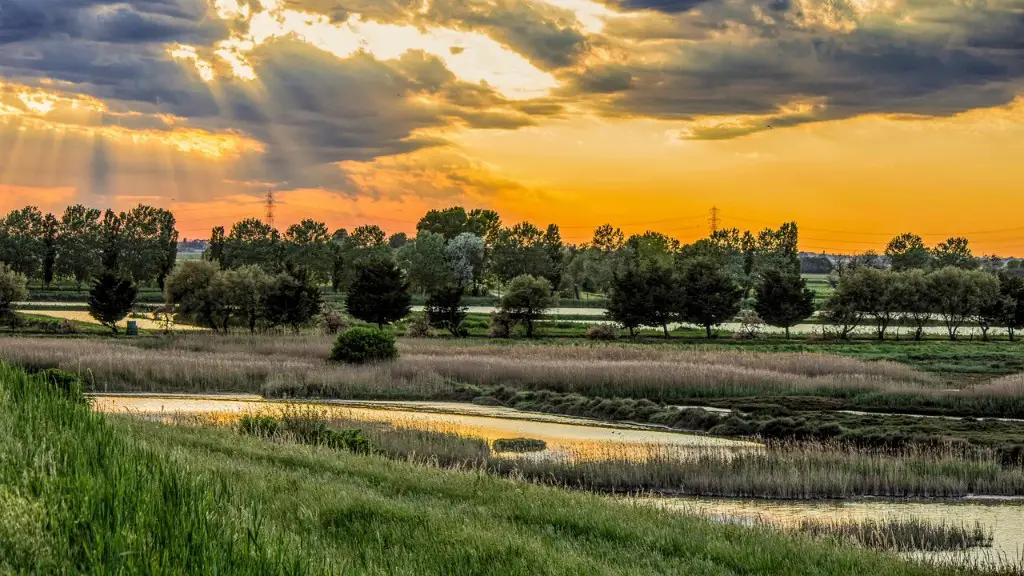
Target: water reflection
x=1005, y=520
x=567, y=438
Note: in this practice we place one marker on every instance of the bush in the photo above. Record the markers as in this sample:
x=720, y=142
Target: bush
x=362, y=345
x=751, y=325
x=603, y=332
x=501, y=325
x=418, y=326
x=12, y=289
x=262, y=426
x=67, y=382
x=331, y=322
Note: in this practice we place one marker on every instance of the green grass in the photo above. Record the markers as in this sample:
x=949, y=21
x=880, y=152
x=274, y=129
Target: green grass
x=81, y=494
x=909, y=534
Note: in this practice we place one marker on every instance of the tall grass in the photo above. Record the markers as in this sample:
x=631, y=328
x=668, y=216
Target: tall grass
x=901, y=534
x=75, y=496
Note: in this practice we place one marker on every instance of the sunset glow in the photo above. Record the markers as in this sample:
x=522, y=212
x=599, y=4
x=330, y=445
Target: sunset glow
x=860, y=120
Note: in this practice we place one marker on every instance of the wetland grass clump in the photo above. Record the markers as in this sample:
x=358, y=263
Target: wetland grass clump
x=306, y=426
x=901, y=534
x=519, y=445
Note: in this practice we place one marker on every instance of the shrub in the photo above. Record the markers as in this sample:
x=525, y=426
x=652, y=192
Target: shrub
x=603, y=332
x=418, y=326
x=68, y=383
x=751, y=325
x=332, y=322
x=362, y=345
x=519, y=445
x=12, y=289
x=501, y=325
x=262, y=426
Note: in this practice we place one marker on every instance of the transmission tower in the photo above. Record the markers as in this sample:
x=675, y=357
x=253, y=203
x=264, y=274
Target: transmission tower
x=269, y=204
x=715, y=219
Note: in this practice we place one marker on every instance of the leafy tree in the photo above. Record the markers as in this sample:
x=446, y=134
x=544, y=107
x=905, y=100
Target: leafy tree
x=397, y=240
x=1012, y=290
x=111, y=228
x=247, y=289
x=21, y=241
x=665, y=296
x=652, y=249
x=526, y=299
x=218, y=239
x=51, y=238
x=955, y=252
x=111, y=299
x=628, y=301
x=369, y=236
x=908, y=252
x=876, y=295
x=607, y=239
x=525, y=250
x=307, y=247
x=445, y=309
x=783, y=300
x=914, y=296
x=194, y=289
x=992, y=311
x=959, y=295
x=449, y=222
x=147, y=244
x=466, y=255
x=13, y=288
x=379, y=293
x=817, y=264
x=710, y=295
x=253, y=242
x=78, y=243
x=426, y=262
x=485, y=224
x=291, y=299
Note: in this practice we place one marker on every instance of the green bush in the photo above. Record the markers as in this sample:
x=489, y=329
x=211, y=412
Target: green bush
x=67, y=382
x=262, y=426
x=362, y=345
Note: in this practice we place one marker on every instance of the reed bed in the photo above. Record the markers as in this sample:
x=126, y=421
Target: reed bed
x=258, y=365
x=901, y=534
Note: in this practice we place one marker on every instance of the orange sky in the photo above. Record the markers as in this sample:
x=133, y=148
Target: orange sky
x=483, y=119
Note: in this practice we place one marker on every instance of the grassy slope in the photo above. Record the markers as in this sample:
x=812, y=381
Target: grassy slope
x=82, y=495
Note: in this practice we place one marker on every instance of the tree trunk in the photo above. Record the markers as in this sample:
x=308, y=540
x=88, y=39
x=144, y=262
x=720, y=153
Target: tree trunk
x=787, y=332
x=252, y=324
x=707, y=330
x=664, y=327
x=1011, y=333
x=529, y=327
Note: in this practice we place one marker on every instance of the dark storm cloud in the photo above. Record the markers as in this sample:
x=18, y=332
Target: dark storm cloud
x=947, y=60
x=667, y=6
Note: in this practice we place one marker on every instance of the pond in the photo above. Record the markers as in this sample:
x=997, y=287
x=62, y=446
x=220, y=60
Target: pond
x=566, y=437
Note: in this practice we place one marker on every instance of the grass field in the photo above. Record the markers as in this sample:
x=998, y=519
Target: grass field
x=82, y=494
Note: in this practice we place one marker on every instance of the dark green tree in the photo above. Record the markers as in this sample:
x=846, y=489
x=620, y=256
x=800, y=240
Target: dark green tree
x=908, y=252
x=629, y=303
x=51, y=240
x=783, y=300
x=292, y=299
x=1011, y=287
x=111, y=299
x=954, y=252
x=710, y=295
x=379, y=293
x=445, y=309
x=79, y=243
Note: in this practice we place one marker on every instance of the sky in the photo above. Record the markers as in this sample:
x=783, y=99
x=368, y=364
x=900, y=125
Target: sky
x=859, y=119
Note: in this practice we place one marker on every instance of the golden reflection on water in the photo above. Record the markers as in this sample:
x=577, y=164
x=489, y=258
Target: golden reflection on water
x=1005, y=519
x=566, y=438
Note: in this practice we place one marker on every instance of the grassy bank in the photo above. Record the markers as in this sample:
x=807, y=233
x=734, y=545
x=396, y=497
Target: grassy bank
x=83, y=495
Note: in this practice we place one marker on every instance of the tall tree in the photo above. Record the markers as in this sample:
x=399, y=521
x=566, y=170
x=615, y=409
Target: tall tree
x=13, y=288
x=307, y=247
x=908, y=252
x=628, y=301
x=51, y=240
x=445, y=309
x=1011, y=287
x=607, y=239
x=783, y=300
x=379, y=293
x=292, y=299
x=959, y=295
x=449, y=222
x=915, y=300
x=710, y=295
x=253, y=242
x=79, y=243
x=466, y=255
x=426, y=263
x=111, y=241
x=21, y=241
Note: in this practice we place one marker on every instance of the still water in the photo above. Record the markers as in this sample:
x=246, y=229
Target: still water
x=565, y=436
x=1004, y=519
